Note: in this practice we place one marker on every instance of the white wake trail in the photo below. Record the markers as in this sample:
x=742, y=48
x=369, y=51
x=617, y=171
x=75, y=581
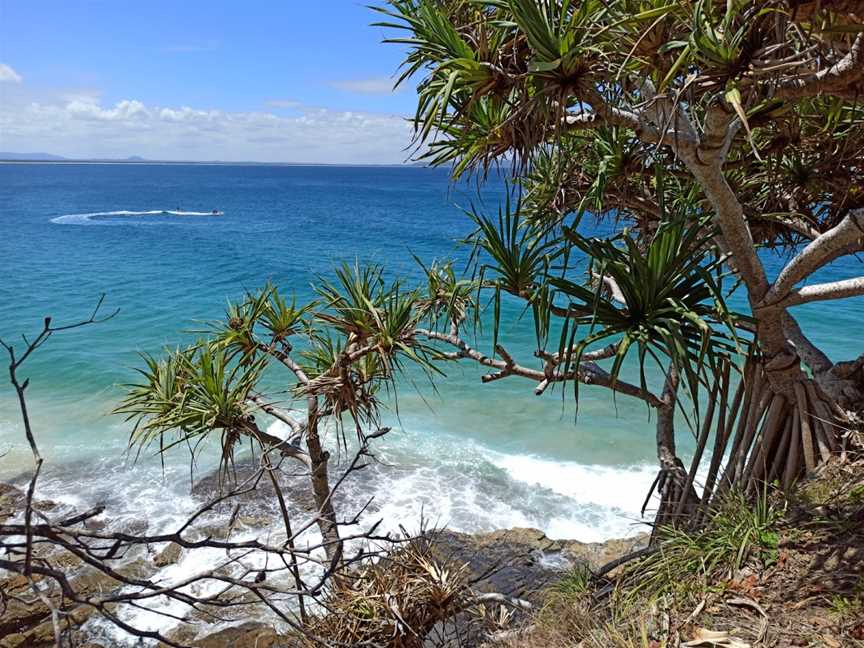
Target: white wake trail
x=83, y=219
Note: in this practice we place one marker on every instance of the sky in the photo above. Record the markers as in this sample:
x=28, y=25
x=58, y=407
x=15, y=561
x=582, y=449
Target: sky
x=262, y=80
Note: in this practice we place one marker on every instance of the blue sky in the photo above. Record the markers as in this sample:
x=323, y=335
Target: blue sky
x=270, y=80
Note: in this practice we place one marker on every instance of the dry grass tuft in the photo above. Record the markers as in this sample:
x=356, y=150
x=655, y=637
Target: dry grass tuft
x=395, y=602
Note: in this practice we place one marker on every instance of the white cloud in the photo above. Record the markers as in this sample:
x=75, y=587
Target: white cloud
x=376, y=86
x=91, y=96
x=9, y=74
x=124, y=110
x=82, y=126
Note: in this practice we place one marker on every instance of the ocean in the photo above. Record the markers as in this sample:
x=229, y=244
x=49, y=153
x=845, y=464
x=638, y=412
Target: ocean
x=469, y=456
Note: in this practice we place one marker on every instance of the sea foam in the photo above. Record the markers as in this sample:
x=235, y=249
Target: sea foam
x=468, y=487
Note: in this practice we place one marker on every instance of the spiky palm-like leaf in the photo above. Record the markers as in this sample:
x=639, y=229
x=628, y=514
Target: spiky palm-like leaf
x=373, y=313
x=546, y=63
x=446, y=297
x=262, y=317
x=668, y=302
x=512, y=256
x=369, y=338
x=191, y=392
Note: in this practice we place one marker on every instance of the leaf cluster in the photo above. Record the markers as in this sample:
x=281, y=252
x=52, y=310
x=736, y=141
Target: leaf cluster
x=351, y=341
x=526, y=84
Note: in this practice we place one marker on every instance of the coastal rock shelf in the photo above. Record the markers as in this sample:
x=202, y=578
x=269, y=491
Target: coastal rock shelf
x=518, y=562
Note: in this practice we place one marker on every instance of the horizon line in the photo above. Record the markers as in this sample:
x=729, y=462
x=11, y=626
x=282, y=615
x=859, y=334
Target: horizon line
x=212, y=162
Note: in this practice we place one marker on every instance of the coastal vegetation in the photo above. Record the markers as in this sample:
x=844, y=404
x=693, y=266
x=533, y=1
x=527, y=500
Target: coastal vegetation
x=785, y=572
x=742, y=119
x=696, y=137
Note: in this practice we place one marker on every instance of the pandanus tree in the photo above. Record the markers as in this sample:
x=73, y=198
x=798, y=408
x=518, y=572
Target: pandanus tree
x=742, y=119
x=338, y=351
x=361, y=332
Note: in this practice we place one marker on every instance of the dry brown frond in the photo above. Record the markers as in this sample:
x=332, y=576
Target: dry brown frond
x=395, y=602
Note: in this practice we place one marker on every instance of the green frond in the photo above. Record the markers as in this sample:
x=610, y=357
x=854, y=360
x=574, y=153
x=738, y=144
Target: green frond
x=667, y=303
x=511, y=256
x=189, y=394
x=446, y=297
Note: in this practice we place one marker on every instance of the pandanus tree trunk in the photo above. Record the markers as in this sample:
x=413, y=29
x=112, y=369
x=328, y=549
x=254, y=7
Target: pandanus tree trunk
x=318, y=470
x=781, y=422
x=774, y=427
x=674, y=485
x=316, y=460
x=323, y=495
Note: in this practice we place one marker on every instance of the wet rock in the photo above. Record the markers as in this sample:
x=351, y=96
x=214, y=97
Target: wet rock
x=508, y=562
x=523, y=562
x=168, y=556
x=183, y=634
x=140, y=569
x=42, y=635
x=255, y=521
x=597, y=554
x=26, y=621
x=249, y=634
x=28, y=624
x=65, y=561
x=19, y=616
x=518, y=562
x=13, y=499
x=136, y=527
x=96, y=524
x=217, y=531
x=262, y=500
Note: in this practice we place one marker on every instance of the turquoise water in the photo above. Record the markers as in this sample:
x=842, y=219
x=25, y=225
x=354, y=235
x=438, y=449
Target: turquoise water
x=471, y=456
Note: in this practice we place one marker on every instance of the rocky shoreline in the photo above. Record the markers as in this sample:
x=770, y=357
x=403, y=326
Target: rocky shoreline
x=516, y=562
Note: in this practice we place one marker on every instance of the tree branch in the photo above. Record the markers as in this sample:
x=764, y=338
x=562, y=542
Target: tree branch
x=296, y=426
x=812, y=356
x=818, y=252
x=837, y=78
x=825, y=291
x=728, y=212
x=587, y=373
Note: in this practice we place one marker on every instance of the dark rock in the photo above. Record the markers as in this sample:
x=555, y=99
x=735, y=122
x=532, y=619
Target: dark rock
x=261, y=500
x=521, y=563
x=524, y=562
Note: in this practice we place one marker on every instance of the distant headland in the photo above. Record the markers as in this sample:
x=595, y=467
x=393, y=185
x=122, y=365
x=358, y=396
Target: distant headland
x=49, y=158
